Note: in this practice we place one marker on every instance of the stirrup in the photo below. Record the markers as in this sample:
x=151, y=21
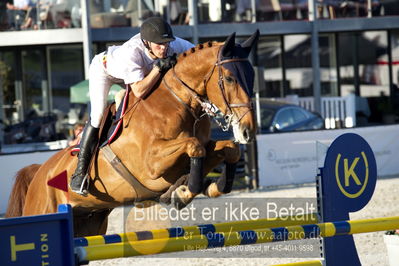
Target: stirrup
x=84, y=187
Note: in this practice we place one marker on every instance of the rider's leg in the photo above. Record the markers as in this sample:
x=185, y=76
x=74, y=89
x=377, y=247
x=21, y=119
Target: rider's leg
x=99, y=86
x=87, y=144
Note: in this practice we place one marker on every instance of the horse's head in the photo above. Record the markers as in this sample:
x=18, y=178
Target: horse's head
x=218, y=76
x=230, y=86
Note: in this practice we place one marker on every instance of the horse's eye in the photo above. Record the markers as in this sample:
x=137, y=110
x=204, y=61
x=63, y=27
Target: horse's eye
x=229, y=79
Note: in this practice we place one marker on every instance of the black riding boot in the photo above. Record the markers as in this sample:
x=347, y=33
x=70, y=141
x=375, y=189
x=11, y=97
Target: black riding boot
x=87, y=145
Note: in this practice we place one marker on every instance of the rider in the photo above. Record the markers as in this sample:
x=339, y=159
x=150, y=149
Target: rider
x=139, y=62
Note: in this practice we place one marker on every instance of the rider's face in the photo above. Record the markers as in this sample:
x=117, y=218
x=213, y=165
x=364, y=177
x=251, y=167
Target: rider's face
x=159, y=49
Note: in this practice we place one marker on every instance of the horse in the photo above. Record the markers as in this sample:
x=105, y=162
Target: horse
x=161, y=134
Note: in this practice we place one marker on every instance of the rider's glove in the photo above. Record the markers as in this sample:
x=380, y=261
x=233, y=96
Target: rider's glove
x=164, y=64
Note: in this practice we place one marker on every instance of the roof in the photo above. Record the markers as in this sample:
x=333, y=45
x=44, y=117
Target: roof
x=275, y=105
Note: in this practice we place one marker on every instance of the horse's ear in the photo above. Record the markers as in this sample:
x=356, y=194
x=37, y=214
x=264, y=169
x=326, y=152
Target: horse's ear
x=248, y=44
x=228, y=46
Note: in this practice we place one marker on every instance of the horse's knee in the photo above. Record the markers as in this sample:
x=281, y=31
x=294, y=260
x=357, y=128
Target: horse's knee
x=195, y=148
x=231, y=152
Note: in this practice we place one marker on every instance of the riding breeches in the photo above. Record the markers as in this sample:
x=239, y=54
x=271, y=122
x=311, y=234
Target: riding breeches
x=99, y=85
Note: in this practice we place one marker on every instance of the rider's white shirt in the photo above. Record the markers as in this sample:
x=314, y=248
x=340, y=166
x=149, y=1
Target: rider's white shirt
x=131, y=62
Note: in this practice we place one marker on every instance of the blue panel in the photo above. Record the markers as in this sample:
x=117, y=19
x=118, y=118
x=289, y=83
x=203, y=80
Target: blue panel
x=215, y=240
x=176, y=232
x=248, y=237
x=342, y=228
x=80, y=242
x=349, y=177
x=108, y=239
x=206, y=228
x=38, y=240
x=144, y=235
x=311, y=230
x=280, y=234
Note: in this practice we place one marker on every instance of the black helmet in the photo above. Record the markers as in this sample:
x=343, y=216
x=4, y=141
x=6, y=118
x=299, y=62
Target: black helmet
x=155, y=29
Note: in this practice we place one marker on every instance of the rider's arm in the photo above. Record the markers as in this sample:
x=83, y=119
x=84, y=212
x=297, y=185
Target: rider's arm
x=143, y=87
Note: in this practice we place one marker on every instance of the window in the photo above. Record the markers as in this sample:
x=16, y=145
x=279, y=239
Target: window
x=298, y=64
x=298, y=115
x=270, y=57
x=284, y=119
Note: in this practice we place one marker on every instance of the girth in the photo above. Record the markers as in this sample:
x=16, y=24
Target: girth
x=142, y=192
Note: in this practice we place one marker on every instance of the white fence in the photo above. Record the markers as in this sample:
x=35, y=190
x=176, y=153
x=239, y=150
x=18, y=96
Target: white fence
x=338, y=112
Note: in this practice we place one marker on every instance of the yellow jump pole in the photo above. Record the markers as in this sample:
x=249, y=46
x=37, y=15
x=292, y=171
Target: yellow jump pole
x=197, y=230
x=197, y=242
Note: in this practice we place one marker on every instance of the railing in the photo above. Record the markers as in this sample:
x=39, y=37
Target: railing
x=107, y=13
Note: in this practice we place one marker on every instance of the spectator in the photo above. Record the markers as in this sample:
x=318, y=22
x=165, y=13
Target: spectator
x=77, y=134
x=3, y=15
x=175, y=12
x=132, y=12
x=76, y=14
x=244, y=10
x=31, y=17
x=16, y=13
x=57, y=10
x=56, y=13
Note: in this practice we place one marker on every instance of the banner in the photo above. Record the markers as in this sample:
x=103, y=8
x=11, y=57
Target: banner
x=290, y=158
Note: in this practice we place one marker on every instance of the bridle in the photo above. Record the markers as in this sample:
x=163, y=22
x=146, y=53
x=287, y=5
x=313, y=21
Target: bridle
x=207, y=106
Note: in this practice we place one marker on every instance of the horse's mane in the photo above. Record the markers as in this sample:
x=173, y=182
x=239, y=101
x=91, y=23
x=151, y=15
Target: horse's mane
x=198, y=47
x=193, y=50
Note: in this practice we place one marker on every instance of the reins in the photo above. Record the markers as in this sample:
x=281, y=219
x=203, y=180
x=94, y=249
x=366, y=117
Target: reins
x=207, y=106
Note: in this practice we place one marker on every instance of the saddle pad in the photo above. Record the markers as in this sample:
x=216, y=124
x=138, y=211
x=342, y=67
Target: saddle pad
x=115, y=124
x=117, y=119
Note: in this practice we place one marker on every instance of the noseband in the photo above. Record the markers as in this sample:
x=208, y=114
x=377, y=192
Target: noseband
x=208, y=107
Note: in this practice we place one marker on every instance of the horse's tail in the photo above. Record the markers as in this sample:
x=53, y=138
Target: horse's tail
x=18, y=193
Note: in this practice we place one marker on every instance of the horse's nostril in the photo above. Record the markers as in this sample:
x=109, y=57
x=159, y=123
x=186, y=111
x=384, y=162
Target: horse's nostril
x=246, y=134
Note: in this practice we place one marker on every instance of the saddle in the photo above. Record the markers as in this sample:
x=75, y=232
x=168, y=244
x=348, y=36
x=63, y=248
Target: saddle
x=110, y=127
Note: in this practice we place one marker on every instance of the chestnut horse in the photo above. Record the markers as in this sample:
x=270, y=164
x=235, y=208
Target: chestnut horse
x=160, y=135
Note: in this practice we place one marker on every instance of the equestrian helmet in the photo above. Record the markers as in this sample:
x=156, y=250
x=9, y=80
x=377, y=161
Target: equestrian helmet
x=156, y=30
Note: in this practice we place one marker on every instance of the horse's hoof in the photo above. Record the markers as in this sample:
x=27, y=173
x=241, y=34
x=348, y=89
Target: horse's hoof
x=165, y=200
x=180, y=197
x=177, y=202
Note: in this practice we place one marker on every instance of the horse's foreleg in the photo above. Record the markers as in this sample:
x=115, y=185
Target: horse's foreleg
x=218, y=152
x=168, y=152
x=164, y=154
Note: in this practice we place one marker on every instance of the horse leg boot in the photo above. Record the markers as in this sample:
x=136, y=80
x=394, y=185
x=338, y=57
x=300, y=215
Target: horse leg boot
x=87, y=145
x=183, y=195
x=224, y=184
